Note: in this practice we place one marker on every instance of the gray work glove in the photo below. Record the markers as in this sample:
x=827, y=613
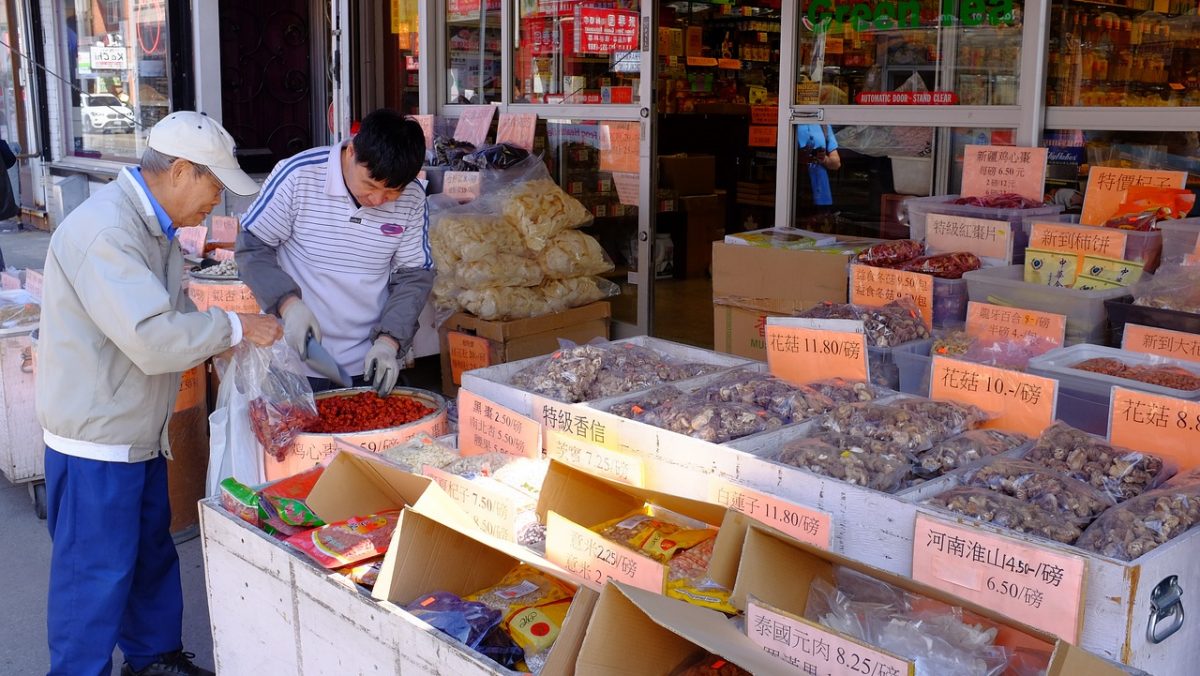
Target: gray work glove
x=382, y=367
x=298, y=323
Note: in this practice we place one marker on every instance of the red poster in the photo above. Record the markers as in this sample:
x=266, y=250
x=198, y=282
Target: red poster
x=605, y=31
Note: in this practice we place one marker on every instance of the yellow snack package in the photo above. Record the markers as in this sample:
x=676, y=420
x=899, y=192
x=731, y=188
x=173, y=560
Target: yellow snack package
x=1122, y=273
x=533, y=604
x=655, y=532
x=1085, y=283
x=1051, y=268
x=702, y=592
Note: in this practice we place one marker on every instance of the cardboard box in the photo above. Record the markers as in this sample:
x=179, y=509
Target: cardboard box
x=427, y=556
x=705, y=225
x=688, y=174
x=523, y=338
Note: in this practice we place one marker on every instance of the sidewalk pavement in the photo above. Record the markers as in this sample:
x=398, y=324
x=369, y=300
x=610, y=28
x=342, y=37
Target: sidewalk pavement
x=25, y=545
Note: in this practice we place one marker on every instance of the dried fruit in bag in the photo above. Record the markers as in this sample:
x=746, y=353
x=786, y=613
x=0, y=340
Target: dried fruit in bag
x=893, y=324
x=1001, y=510
x=655, y=532
x=281, y=399
x=1036, y=485
x=1008, y=200
x=1144, y=523
x=891, y=253
x=346, y=542
x=1119, y=472
x=946, y=265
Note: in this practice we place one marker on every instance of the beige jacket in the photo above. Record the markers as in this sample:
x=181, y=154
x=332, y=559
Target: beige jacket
x=117, y=330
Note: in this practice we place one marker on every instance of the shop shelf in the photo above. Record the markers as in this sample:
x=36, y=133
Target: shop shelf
x=1059, y=364
x=1143, y=247
x=1085, y=311
x=920, y=207
x=1122, y=311
x=1179, y=239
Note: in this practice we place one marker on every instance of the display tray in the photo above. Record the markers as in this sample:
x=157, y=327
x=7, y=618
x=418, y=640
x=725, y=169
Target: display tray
x=1060, y=365
x=1122, y=311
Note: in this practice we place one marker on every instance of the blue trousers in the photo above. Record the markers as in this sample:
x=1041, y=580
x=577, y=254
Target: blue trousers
x=114, y=571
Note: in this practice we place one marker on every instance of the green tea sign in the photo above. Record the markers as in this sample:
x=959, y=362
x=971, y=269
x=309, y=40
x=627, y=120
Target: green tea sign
x=905, y=14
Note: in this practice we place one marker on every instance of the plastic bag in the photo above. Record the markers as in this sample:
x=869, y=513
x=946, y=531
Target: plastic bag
x=946, y=418
x=1008, y=200
x=568, y=293
x=468, y=622
x=709, y=665
x=233, y=447
x=1032, y=483
x=420, y=451
x=1119, y=472
x=365, y=573
x=862, y=462
x=713, y=421
x=532, y=607
x=1013, y=354
x=18, y=308
x=578, y=373
x=281, y=401
x=347, y=542
x=540, y=210
x=504, y=303
x=1142, y=524
x=284, y=502
x=951, y=344
x=843, y=391
x=573, y=254
x=965, y=449
x=946, y=265
x=656, y=532
x=457, y=236
x=893, y=324
x=911, y=428
x=635, y=408
x=449, y=152
x=241, y=501
x=888, y=254
x=1001, y=510
x=496, y=156
x=502, y=269
x=761, y=390
x=1173, y=289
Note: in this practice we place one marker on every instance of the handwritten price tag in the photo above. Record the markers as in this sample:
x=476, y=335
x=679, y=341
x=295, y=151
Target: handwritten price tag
x=426, y=122
x=191, y=389
x=764, y=115
x=467, y=353
x=1107, y=185
x=1162, y=342
x=474, y=124
x=221, y=255
x=989, y=239
x=463, y=186
x=1152, y=423
x=620, y=145
x=224, y=229
x=595, y=560
x=604, y=462
x=763, y=137
x=236, y=297
x=192, y=239
x=1019, y=402
x=798, y=641
x=802, y=355
x=487, y=427
x=33, y=284
x=627, y=188
x=991, y=170
x=492, y=508
x=517, y=129
x=806, y=525
x=9, y=281
x=578, y=422
x=1035, y=585
x=985, y=320
x=1079, y=239
x=874, y=287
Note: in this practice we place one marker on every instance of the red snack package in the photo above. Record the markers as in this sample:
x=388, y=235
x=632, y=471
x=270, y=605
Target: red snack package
x=945, y=266
x=348, y=542
x=1144, y=206
x=887, y=254
x=284, y=501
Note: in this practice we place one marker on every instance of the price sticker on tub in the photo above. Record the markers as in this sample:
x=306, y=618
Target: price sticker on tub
x=1162, y=342
x=1084, y=240
x=996, y=322
x=1018, y=402
x=874, y=287
x=488, y=427
x=806, y=525
x=805, y=644
x=985, y=238
x=803, y=353
x=1151, y=423
x=1034, y=584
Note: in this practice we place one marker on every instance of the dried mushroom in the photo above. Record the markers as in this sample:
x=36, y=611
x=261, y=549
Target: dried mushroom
x=1054, y=492
x=862, y=462
x=907, y=431
x=1119, y=472
x=965, y=449
x=1007, y=512
x=714, y=421
x=1138, y=526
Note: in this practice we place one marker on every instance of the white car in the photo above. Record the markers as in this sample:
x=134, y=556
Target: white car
x=105, y=113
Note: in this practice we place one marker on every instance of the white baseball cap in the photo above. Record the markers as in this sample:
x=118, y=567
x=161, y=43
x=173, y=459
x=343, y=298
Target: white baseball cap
x=198, y=138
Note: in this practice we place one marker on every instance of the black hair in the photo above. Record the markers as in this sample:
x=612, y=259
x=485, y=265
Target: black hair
x=391, y=146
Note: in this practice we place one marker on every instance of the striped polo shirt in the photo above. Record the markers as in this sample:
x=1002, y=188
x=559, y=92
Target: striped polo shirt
x=340, y=255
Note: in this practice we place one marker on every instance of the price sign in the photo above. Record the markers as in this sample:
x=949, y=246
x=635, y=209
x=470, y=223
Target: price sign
x=232, y=297
x=763, y=136
x=1107, y=185
x=33, y=284
x=627, y=187
x=578, y=422
x=804, y=354
x=620, y=145
x=764, y=115
x=192, y=239
x=517, y=129
x=467, y=353
x=1162, y=342
x=426, y=122
x=473, y=124
x=993, y=170
x=492, y=508
x=982, y=237
x=1078, y=239
x=224, y=229
x=463, y=186
x=595, y=560
x=1018, y=402
x=804, y=524
x=605, y=462
x=1152, y=423
x=191, y=389
x=9, y=281
x=874, y=287
x=221, y=255
x=487, y=427
x=1039, y=586
x=985, y=320
x=729, y=64
x=702, y=61
x=806, y=644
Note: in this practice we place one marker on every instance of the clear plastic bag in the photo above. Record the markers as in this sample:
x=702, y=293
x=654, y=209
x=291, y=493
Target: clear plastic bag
x=348, y=542
x=532, y=607
x=763, y=391
x=502, y=269
x=843, y=391
x=910, y=429
x=946, y=418
x=540, y=210
x=946, y=265
x=636, y=407
x=566, y=375
x=418, y=452
x=888, y=254
x=468, y=622
x=18, y=308
x=656, y=532
x=1173, y=289
x=1144, y=523
x=568, y=293
x=573, y=254
x=964, y=450
x=1001, y=510
x=1119, y=472
x=862, y=462
x=504, y=303
x=1162, y=375
x=714, y=421
x=1011, y=354
x=1054, y=492
x=281, y=399
x=458, y=235
x=599, y=370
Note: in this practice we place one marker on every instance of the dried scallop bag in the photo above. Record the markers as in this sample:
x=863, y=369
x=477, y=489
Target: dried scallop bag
x=540, y=209
x=457, y=236
x=569, y=293
x=502, y=269
x=573, y=254
x=447, y=295
x=501, y=303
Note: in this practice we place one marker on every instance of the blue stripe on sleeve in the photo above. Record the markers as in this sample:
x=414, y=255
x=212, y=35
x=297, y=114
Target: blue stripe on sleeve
x=312, y=157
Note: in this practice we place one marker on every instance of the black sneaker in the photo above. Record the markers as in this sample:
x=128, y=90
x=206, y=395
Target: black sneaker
x=178, y=663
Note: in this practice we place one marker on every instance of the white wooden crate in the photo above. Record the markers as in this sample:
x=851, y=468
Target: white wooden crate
x=22, y=452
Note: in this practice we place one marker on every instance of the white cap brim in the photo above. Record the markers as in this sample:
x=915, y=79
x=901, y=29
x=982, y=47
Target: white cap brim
x=235, y=181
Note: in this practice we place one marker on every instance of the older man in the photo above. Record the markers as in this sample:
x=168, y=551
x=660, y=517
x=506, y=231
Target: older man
x=116, y=332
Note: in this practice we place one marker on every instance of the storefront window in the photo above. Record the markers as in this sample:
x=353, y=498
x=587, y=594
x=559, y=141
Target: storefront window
x=401, y=82
x=473, y=50
x=118, y=66
x=1135, y=53
x=859, y=52
x=577, y=51
x=1073, y=152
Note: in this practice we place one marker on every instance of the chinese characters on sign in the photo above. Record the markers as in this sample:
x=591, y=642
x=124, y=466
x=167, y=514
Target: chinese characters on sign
x=595, y=560
x=1017, y=401
x=997, y=322
x=224, y=229
x=474, y=124
x=813, y=649
x=235, y=297
x=492, y=510
x=804, y=524
x=575, y=421
x=1079, y=239
x=1037, y=585
x=874, y=287
x=517, y=129
x=1162, y=342
x=191, y=393
x=763, y=136
x=467, y=353
x=486, y=427
x=1107, y=185
x=990, y=170
x=804, y=355
x=604, y=31
x=463, y=186
x=603, y=462
x=1152, y=423
x=988, y=239
x=620, y=143
x=319, y=447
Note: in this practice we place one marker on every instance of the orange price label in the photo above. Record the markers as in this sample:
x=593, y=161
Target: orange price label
x=490, y=506
x=1018, y=402
x=467, y=353
x=235, y=297
x=1107, y=185
x=594, y=560
x=835, y=46
x=989, y=239
x=701, y=61
x=990, y=170
x=874, y=287
x=584, y=424
x=1162, y=342
x=804, y=354
x=620, y=146
x=793, y=640
x=1079, y=239
x=985, y=320
x=191, y=389
x=805, y=524
x=426, y=122
x=764, y=115
x=763, y=136
x=33, y=283
x=1037, y=585
x=1152, y=423
x=517, y=129
x=224, y=229
x=606, y=462
x=729, y=64
x=487, y=427
x=474, y=124
x=463, y=186
x=627, y=187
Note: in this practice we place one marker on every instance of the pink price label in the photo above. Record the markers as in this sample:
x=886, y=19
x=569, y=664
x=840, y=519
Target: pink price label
x=474, y=124
x=797, y=641
x=463, y=186
x=494, y=512
x=1162, y=342
x=488, y=427
x=594, y=560
x=9, y=281
x=993, y=170
x=33, y=283
x=989, y=239
x=598, y=460
x=806, y=525
x=517, y=129
x=224, y=229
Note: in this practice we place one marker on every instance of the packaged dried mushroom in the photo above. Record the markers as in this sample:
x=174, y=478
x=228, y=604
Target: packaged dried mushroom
x=893, y=324
x=907, y=431
x=636, y=407
x=573, y=254
x=761, y=390
x=963, y=450
x=1008, y=512
x=947, y=418
x=566, y=375
x=1144, y=523
x=1028, y=482
x=714, y=421
x=862, y=462
x=590, y=372
x=843, y=391
x=1119, y=472
x=540, y=210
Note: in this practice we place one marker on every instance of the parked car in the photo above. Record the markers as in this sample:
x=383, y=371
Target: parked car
x=104, y=113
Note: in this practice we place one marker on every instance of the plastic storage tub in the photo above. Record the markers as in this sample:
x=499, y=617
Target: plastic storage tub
x=1144, y=247
x=914, y=362
x=1085, y=311
x=1122, y=311
x=949, y=301
x=884, y=367
x=920, y=207
x=1179, y=239
x=1059, y=364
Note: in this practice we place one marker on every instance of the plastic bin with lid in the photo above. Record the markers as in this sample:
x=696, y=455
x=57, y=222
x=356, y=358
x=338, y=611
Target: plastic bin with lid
x=1179, y=240
x=884, y=368
x=919, y=209
x=1143, y=247
x=1060, y=364
x=1122, y=311
x=949, y=301
x=1085, y=311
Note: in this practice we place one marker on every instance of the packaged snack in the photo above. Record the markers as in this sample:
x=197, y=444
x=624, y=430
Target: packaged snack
x=364, y=573
x=1119, y=272
x=906, y=431
x=283, y=502
x=692, y=564
x=500, y=269
x=709, y=665
x=714, y=421
x=419, y=452
x=1119, y=472
x=1144, y=523
x=347, y=542
x=457, y=238
x=1051, y=268
x=1007, y=512
x=499, y=647
x=241, y=501
x=1032, y=483
x=540, y=210
x=656, y=532
x=964, y=449
x=532, y=607
x=468, y=622
x=862, y=462
x=573, y=254
x=702, y=592
x=895, y=252
x=945, y=266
